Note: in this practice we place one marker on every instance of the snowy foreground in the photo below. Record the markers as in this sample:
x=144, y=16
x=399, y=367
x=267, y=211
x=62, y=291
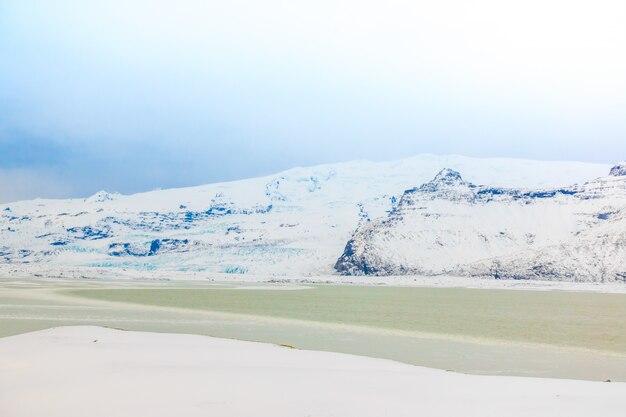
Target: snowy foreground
x=92, y=371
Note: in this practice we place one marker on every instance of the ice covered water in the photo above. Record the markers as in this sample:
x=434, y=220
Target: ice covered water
x=549, y=334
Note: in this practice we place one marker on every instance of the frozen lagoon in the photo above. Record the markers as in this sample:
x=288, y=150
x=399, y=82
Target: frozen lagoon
x=558, y=334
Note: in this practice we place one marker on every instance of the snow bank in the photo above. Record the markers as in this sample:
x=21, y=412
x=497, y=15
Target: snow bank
x=91, y=371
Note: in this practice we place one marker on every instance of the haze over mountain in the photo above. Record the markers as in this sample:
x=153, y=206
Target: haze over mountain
x=132, y=96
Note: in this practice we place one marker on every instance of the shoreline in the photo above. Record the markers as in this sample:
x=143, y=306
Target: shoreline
x=120, y=276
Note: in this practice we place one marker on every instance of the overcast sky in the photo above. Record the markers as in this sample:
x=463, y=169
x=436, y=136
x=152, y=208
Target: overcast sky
x=134, y=95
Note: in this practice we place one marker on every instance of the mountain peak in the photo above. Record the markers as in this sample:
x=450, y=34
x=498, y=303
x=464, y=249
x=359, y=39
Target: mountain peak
x=445, y=181
x=618, y=170
x=448, y=176
x=100, y=197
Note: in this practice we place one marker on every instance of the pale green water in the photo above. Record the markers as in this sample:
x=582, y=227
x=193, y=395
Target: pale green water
x=549, y=334
x=584, y=320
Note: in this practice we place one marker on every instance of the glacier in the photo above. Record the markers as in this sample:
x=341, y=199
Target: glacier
x=297, y=222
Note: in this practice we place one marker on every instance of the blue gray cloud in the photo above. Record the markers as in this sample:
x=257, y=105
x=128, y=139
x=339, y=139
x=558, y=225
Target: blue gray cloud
x=134, y=95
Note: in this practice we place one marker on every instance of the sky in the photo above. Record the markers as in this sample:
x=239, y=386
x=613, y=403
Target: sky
x=130, y=96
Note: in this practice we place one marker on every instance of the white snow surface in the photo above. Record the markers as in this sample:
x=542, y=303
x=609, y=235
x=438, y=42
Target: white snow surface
x=92, y=371
x=295, y=222
x=450, y=226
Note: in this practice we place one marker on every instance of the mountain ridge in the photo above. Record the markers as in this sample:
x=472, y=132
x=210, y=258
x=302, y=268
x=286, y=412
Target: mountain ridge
x=294, y=222
x=449, y=226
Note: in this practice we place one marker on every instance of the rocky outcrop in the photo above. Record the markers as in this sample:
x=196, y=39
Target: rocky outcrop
x=618, y=170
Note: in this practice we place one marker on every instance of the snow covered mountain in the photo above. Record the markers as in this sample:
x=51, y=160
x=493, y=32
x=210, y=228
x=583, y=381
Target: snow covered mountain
x=297, y=222
x=450, y=226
